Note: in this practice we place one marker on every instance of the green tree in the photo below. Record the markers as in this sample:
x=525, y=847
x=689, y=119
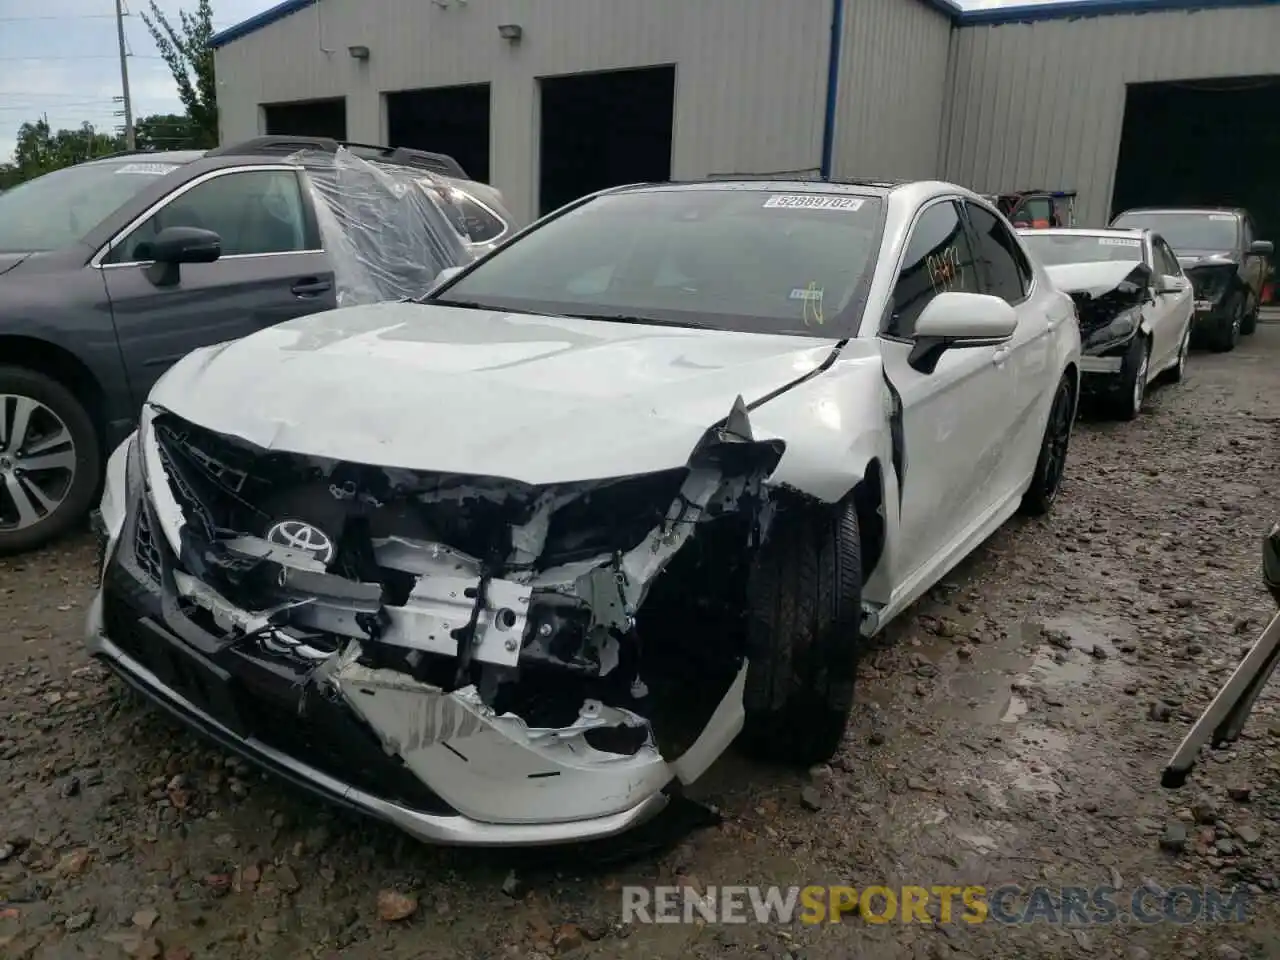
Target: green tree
x=41, y=149
x=165, y=131
x=186, y=51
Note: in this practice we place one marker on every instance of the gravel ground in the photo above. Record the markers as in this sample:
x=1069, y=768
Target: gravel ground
x=1011, y=731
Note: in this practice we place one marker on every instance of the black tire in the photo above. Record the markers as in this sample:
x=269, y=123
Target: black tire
x=1051, y=464
x=77, y=495
x=804, y=613
x=1126, y=402
x=1178, y=371
x=1227, y=334
x=1250, y=322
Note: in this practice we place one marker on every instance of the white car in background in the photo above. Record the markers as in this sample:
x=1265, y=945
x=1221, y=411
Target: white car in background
x=508, y=563
x=1134, y=303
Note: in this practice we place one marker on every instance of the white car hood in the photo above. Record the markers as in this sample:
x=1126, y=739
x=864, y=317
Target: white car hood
x=529, y=398
x=1095, y=279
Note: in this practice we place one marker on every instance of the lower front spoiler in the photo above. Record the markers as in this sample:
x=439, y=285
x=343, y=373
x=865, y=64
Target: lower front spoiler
x=451, y=830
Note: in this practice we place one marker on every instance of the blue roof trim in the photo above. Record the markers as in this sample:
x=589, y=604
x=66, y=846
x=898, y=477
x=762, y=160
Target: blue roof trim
x=1031, y=13
x=989, y=16
x=256, y=23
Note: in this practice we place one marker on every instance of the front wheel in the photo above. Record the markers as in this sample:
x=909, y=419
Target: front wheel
x=1179, y=369
x=1126, y=402
x=1250, y=322
x=804, y=610
x=49, y=460
x=1051, y=465
x=1227, y=334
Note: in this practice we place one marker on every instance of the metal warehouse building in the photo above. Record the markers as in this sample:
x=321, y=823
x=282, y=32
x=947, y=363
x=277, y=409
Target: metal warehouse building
x=1125, y=101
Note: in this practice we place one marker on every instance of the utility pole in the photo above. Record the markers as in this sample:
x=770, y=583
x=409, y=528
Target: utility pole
x=129, y=141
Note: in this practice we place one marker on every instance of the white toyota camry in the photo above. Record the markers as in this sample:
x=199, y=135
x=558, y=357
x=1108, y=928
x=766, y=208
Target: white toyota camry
x=507, y=564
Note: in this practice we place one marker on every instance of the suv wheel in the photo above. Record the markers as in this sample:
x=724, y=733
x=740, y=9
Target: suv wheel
x=1250, y=322
x=1227, y=335
x=50, y=460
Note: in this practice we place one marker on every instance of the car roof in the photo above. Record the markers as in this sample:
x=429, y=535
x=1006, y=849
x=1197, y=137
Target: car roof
x=1237, y=211
x=917, y=191
x=1084, y=231
x=176, y=157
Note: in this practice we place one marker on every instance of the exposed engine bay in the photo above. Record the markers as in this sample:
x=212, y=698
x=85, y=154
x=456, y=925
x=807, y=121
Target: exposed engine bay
x=1098, y=305
x=535, y=631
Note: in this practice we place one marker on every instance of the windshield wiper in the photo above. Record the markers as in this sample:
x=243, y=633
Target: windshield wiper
x=647, y=321
x=469, y=305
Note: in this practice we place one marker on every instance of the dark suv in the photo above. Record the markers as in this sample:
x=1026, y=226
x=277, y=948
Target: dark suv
x=1218, y=250
x=112, y=270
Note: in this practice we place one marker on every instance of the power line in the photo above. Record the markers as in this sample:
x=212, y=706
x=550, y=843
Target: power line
x=88, y=56
x=64, y=16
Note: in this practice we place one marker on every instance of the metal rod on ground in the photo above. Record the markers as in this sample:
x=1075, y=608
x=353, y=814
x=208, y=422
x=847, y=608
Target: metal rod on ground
x=124, y=78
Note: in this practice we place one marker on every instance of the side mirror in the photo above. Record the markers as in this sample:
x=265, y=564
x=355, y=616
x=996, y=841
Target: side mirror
x=955, y=320
x=185, y=245
x=1170, y=285
x=1262, y=248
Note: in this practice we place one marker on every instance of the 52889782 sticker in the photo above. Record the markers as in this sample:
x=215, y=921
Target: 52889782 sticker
x=812, y=201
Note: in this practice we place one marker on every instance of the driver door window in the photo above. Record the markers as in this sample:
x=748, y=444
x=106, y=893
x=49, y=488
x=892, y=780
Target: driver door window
x=254, y=212
x=938, y=259
x=1166, y=262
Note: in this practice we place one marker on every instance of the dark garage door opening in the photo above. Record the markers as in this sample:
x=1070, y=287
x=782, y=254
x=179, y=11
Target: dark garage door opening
x=308, y=118
x=452, y=120
x=604, y=129
x=1203, y=143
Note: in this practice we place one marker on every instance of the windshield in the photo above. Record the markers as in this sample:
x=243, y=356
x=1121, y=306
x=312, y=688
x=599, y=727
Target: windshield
x=758, y=261
x=57, y=209
x=1187, y=231
x=1058, y=248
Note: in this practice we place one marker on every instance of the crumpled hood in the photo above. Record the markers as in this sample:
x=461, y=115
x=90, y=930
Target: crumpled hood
x=1099, y=279
x=529, y=398
x=1192, y=258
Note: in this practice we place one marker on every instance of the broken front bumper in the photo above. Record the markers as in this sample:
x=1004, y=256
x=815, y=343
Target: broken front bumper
x=441, y=764
x=262, y=708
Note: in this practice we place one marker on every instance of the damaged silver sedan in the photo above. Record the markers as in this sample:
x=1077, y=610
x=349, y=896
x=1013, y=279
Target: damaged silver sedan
x=510, y=563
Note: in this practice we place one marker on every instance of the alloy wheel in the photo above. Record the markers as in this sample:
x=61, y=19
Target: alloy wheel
x=1140, y=380
x=1183, y=350
x=37, y=462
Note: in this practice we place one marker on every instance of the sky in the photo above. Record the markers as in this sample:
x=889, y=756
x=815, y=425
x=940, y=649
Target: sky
x=58, y=58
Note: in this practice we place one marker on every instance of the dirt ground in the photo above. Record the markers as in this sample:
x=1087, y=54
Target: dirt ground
x=1011, y=730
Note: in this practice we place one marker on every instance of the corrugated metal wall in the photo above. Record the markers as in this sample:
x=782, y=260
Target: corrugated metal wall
x=893, y=69
x=750, y=75
x=1042, y=104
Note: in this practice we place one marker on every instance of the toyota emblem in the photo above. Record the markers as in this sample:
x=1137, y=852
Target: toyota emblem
x=303, y=537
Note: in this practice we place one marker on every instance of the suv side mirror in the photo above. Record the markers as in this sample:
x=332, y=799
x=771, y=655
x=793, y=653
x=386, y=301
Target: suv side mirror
x=185, y=245
x=956, y=320
x=174, y=246
x=1170, y=285
x=1262, y=248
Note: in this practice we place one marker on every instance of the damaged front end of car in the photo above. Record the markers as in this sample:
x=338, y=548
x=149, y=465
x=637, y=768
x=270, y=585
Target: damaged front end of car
x=1109, y=298
x=480, y=660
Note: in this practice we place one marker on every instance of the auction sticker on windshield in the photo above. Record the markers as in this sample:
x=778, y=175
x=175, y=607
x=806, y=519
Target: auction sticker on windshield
x=146, y=169
x=810, y=201
x=1120, y=242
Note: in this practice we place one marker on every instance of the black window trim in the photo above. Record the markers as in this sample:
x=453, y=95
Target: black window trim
x=886, y=314
x=1032, y=281
x=123, y=234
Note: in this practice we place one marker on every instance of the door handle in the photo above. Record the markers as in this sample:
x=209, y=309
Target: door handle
x=311, y=287
x=1000, y=356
